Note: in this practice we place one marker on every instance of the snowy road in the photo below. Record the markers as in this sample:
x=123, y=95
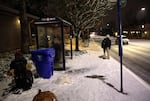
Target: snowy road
x=136, y=57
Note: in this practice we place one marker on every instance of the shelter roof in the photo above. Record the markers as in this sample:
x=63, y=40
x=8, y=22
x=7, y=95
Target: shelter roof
x=53, y=20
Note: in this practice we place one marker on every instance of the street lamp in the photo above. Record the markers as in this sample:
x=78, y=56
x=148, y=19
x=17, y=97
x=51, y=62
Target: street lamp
x=143, y=20
x=141, y=14
x=143, y=26
x=143, y=9
x=142, y=30
x=107, y=24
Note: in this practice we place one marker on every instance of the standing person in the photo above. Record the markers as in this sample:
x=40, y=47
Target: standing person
x=106, y=45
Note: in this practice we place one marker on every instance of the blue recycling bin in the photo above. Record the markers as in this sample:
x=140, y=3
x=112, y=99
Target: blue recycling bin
x=44, y=61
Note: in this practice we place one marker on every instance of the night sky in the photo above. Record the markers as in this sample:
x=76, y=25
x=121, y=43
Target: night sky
x=131, y=14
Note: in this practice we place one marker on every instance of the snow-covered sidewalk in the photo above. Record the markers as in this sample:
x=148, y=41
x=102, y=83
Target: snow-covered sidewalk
x=89, y=78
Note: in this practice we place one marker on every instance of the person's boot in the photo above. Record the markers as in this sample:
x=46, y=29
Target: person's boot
x=104, y=57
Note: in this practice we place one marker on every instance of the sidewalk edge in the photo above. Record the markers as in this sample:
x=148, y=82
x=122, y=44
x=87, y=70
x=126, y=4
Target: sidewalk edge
x=145, y=84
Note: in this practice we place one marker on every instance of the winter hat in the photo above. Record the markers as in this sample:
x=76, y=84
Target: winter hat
x=107, y=35
x=18, y=53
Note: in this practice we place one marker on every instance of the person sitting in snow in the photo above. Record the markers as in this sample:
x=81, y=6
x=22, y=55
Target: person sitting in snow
x=23, y=77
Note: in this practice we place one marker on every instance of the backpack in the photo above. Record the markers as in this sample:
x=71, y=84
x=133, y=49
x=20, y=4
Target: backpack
x=106, y=43
x=28, y=80
x=103, y=43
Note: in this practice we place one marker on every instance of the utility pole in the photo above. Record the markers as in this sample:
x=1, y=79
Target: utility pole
x=120, y=44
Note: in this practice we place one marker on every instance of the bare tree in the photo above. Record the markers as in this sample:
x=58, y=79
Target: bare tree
x=24, y=27
x=86, y=14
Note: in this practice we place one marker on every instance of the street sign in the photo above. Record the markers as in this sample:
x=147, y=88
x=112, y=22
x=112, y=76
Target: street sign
x=123, y=3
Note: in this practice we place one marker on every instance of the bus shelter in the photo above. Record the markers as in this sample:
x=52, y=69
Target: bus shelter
x=51, y=33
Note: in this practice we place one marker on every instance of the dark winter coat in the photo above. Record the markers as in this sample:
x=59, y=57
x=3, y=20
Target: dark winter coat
x=106, y=43
x=23, y=77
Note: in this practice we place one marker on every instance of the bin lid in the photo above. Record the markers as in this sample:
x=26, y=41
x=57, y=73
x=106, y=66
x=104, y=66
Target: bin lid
x=44, y=51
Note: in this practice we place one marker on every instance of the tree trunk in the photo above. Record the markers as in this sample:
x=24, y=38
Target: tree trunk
x=77, y=43
x=77, y=39
x=24, y=28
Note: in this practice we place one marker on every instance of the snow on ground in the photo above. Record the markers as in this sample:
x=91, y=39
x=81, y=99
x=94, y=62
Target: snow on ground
x=87, y=78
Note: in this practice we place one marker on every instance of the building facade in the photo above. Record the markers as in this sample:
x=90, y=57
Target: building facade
x=10, y=32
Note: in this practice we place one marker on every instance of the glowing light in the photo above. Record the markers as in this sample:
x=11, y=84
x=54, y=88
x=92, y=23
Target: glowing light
x=132, y=32
x=143, y=9
x=92, y=34
x=125, y=32
x=107, y=24
x=145, y=32
x=116, y=33
x=143, y=26
x=137, y=32
x=18, y=21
